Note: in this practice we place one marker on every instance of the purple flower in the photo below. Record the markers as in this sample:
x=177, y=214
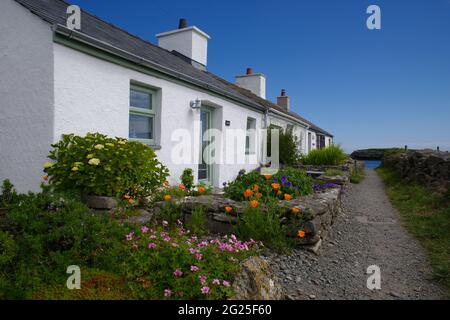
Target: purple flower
x=129, y=236
x=177, y=273
x=205, y=290
x=151, y=246
x=216, y=282
x=194, y=268
x=144, y=229
x=167, y=293
x=226, y=283
x=199, y=256
x=202, y=279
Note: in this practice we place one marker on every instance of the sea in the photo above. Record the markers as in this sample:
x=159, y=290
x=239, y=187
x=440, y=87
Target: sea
x=372, y=164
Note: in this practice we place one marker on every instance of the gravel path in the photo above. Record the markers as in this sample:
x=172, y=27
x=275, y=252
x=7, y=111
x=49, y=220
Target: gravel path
x=367, y=232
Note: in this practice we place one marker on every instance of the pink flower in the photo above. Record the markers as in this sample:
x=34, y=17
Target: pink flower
x=167, y=293
x=202, y=279
x=129, y=236
x=179, y=222
x=177, y=273
x=152, y=237
x=167, y=238
x=152, y=246
x=203, y=244
x=144, y=229
x=175, y=245
x=193, y=251
x=199, y=256
x=194, y=268
x=216, y=282
x=205, y=290
x=226, y=283
x=165, y=223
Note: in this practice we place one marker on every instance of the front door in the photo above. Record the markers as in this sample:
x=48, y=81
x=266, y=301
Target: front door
x=204, y=168
x=309, y=142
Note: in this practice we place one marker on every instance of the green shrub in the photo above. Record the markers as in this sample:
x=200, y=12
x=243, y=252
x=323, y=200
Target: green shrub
x=291, y=181
x=187, y=179
x=357, y=176
x=332, y=155
x=265, y=226
x=197, y=221
x=8, y=195
x=52, y=232
x=289, y=152
x=334, y=172
x=170, y=212
x=98, y=165
x=167, y=264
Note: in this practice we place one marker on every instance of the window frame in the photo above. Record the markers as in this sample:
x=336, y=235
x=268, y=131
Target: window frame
x=148, y=113
x=251, y=149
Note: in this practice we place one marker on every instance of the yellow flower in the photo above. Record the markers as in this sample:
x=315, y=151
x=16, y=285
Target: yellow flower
x=48, y=165
x=75, y=169
x=99, y=147
x=109, y=144
x=121, y=142
x=90, y=156
x=94, y=162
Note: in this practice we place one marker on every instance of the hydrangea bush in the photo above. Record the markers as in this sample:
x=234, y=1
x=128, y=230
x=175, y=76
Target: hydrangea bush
x=99, y=165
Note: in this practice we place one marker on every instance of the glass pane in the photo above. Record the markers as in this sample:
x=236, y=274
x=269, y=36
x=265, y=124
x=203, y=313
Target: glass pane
x=140, y=99
x=141, y=127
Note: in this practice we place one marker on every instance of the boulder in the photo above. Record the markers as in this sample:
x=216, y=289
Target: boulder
x=100, y=203
x=256, y=281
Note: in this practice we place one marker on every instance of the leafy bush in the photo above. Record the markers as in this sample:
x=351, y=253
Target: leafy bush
x=52, y=232
x=187, y=179
x=197, y=222
x=357, y=176
x=286, y=182
x=334, y=172
x=8, y=195
x=332, y=155
x=98, y=165
x=264, y=226
x=167, y=264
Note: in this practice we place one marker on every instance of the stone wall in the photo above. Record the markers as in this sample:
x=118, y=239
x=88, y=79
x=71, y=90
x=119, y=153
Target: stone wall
x=348, y=167
x=428, y=167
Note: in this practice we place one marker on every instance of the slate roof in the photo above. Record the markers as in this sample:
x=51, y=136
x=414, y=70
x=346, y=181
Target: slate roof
x=54, y=12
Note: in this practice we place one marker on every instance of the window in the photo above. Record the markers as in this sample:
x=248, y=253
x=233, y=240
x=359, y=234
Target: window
x=250, y=139
x=142, y=114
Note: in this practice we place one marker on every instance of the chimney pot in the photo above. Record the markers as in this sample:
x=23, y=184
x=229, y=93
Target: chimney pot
x=283, y=92
x=249, y=71
x=182, y=24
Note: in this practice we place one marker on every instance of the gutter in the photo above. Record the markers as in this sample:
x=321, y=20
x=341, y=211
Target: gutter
x=81, y=37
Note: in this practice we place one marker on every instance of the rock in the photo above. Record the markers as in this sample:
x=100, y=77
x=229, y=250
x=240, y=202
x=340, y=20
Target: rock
x=312, y=297
x=100, y=203
x=315, y=248
x=142, y=217
x=256, y=281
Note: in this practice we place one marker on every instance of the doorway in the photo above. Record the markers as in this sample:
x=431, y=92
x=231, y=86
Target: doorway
x=205, y=167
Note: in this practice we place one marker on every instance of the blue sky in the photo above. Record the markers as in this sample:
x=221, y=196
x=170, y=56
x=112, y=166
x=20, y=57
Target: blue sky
x=388, y=87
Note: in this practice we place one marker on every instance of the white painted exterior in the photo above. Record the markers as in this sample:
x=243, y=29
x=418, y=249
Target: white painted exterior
x=26, y=95
x=256, y=83
x=48, y=90
x=191, y=42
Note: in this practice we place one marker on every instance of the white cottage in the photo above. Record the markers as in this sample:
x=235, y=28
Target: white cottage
x=100, y=78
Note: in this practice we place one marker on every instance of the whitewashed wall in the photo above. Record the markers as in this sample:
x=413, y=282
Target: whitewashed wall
x=92, y=95
x=26, y=95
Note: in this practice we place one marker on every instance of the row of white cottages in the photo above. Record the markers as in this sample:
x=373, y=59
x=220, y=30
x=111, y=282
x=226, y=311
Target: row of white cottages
x=100, y=78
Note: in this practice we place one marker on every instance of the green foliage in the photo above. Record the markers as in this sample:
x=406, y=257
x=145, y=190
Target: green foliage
x=334, y=172
x=170, y=212
x=288, y=146
x=357, y=176
x=52, y=232
x=8, y=195
x=98, y=165
x=427, y=216
x=332, y=155
x=265, y=226
x=167, y=264
x=197, y=221
x=187, y=179
x=291, y=181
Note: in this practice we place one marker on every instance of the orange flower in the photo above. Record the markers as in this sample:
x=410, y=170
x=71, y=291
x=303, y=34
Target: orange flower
x=268, y=176
x=45, y=178
x=276, y=186
x=131, y=201
x=287, y=197
x=182, y=187
x=259, y=195
x=256, y=188
x=248, y=193
x=301, y=233
x=201, y=190
x=228, y=209
x=127, y=196
x=295, y=210
x=167, y=197
x=254, y=203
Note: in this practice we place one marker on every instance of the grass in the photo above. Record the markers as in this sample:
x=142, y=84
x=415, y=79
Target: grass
x=332, y=155
x=357, y=176
x=427, y=217
x=334, y=172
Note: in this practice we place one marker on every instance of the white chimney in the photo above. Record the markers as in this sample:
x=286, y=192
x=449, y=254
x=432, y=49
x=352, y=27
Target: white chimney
x=190, y=42
x=255, y=82
x=283, y=101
